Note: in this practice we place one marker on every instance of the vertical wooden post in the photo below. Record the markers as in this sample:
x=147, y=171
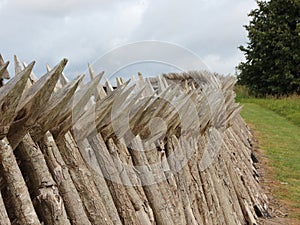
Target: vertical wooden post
x=21, y=199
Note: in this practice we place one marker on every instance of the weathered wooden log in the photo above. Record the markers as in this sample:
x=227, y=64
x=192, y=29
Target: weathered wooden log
x=104, y=161
x=4, y=220
x=108, y=201
x=60, y=172
x=120, y=196
x=75, y=108
x=136, y=195
x=20, y=196
x=3, y=71
x=10, y=96
x=133, y=184
x=31, y=103
x=48, y=202
x=166, y=150
x=53, y=109
x=184, y=180
x=163, y=211
x=82, y=178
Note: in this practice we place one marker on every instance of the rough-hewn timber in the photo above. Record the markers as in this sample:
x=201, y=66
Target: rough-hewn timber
x=165, y=150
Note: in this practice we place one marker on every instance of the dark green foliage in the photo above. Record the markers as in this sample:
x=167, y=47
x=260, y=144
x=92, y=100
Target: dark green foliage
x=272, y=65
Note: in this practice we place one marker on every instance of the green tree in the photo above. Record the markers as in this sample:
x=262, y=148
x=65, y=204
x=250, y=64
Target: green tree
x=272, y=65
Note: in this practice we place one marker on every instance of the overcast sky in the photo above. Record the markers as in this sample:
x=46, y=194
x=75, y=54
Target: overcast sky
x=84, y=30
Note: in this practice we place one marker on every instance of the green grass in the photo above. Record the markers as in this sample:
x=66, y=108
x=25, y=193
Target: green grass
x=288, y=107
x=277, y=126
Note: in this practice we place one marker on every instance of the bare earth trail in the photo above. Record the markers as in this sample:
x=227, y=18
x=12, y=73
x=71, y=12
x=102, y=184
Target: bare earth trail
x=277, y=148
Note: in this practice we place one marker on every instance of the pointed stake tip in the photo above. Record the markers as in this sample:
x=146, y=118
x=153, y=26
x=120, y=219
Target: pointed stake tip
x=60, y=67
x=6, y=64
x=80, y=78
x=64, y=62
x=98, y=78
x=30, y=66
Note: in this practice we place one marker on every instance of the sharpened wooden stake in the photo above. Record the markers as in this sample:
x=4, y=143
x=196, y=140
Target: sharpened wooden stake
x=21, y=199
x=4, y=220
x=60, y=172
x=31, y=102
x=135, y=154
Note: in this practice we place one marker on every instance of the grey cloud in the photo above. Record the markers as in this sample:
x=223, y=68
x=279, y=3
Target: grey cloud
x=205, y=27
x=83, y=31
x=56, y=8
x=149, y=51
x=79, y=37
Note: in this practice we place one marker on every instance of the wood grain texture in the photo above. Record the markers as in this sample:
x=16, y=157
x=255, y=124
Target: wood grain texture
x=171, y=149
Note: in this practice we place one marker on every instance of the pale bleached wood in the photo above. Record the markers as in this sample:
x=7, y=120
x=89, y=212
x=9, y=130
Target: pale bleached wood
x=49, y=203
x=20, y=196
x=153, y=105
x=17, y=65
x=60, y=172
x=91, y=72
x=109, y=87
x=120, y=196
x=100, y=92
x=83, y=96
x=75, y=108
x=235, y=185
x=51, y=112
x=96, y=117
x=10, y=96
x=99, y=179
x=120, y=81
x=161, y=209
x=33, y=77
x=63, y=80
x=160, y=169
x=137, y=194
x=31, y=102
x=4, y=220
x=140, y=204
x=201, y=204
x=121, y=108
x=49, y=80
x=81, y=177
x=248, y=186
x=3, y=71
x=184, y=180
x=122, y=128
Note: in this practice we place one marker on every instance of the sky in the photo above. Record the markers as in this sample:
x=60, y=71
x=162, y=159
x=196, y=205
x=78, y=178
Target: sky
x=84, y=30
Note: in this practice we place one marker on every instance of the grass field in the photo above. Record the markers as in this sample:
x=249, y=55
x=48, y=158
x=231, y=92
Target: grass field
x=276, y=123
x=288, y=107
